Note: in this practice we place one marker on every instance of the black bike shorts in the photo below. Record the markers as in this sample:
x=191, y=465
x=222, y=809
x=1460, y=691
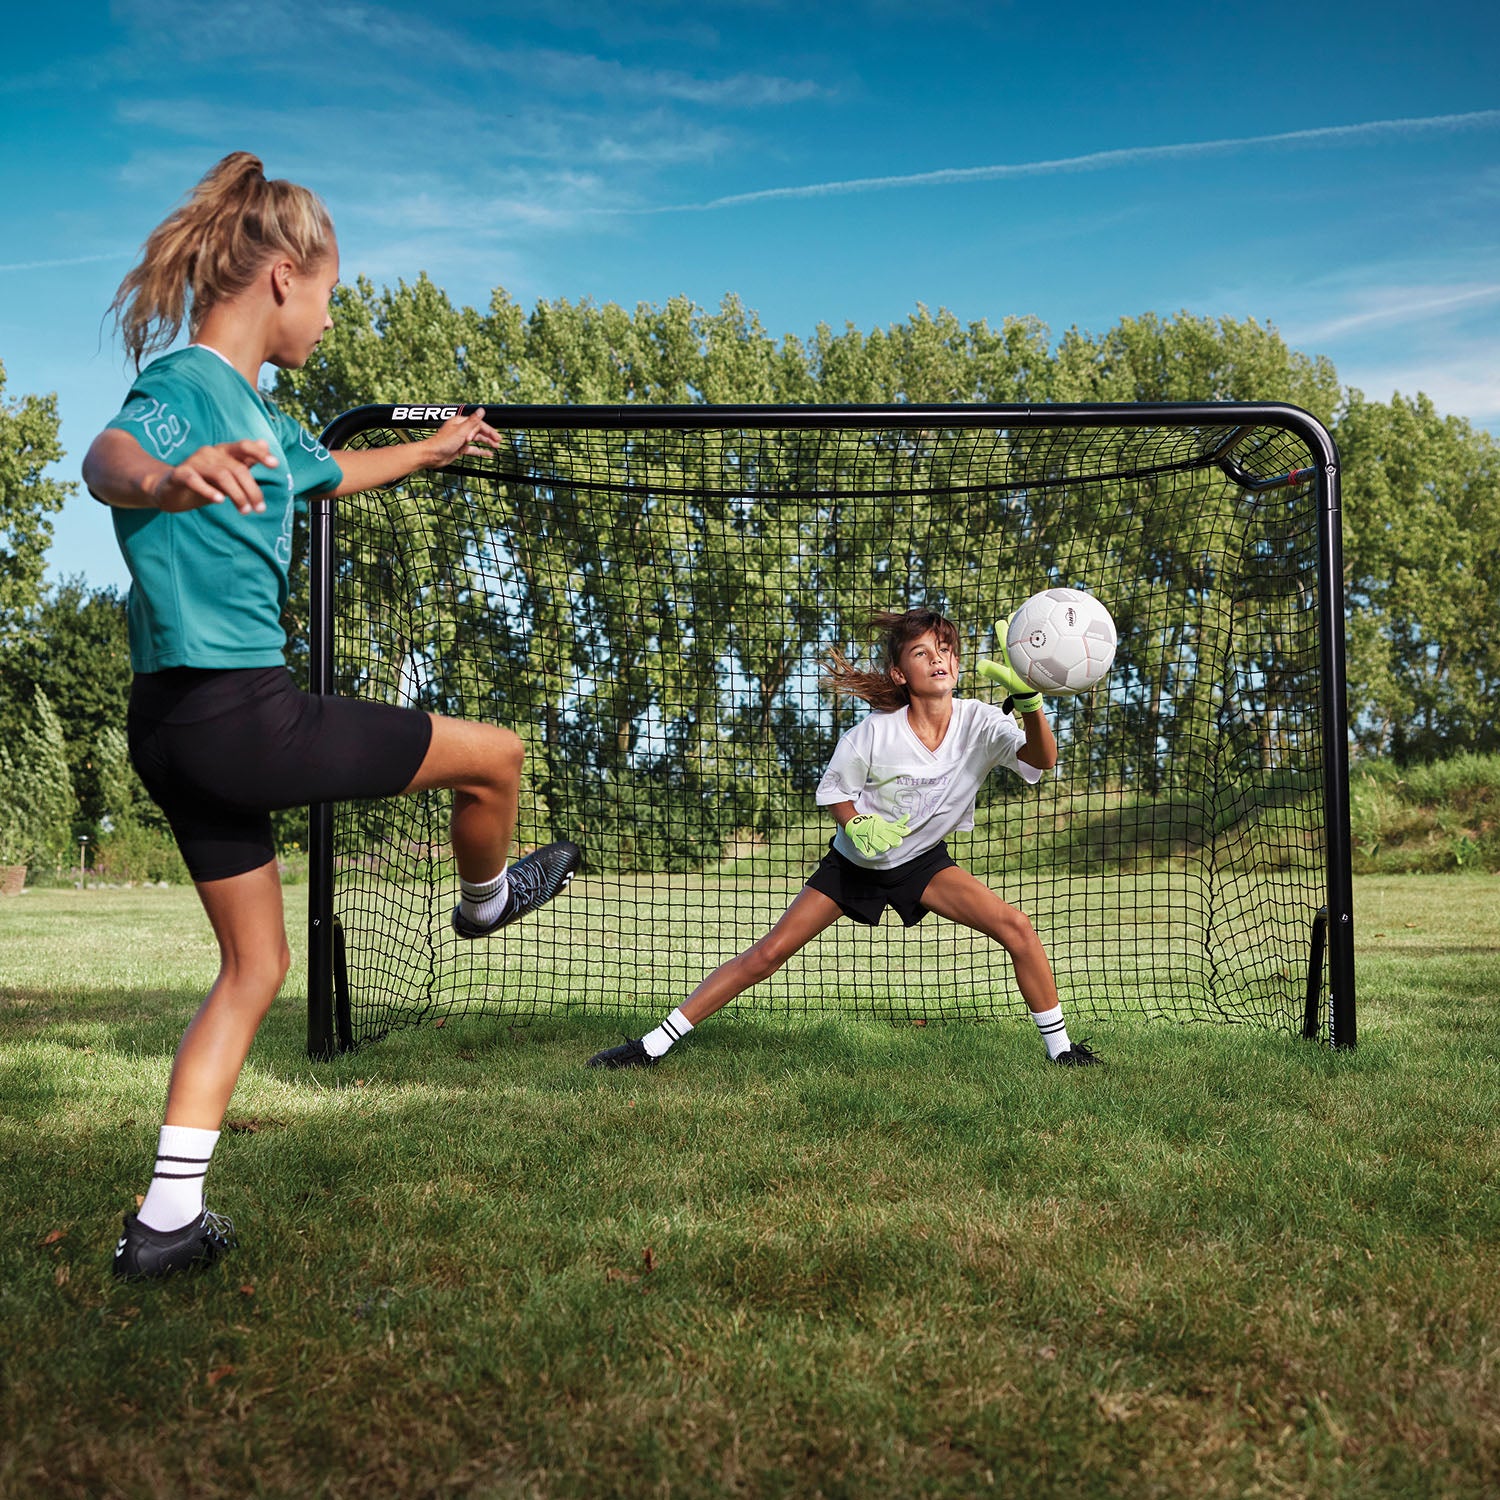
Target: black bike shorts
x=220, y=750
x=864, y=894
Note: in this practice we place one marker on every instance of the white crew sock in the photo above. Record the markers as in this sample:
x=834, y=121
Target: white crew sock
x=175, y=1196
x=1053, y=1028
x=673, y=1029
x=482, y=901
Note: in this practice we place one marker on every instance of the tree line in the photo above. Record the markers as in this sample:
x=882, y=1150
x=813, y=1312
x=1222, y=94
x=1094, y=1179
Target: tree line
x=1421, y=491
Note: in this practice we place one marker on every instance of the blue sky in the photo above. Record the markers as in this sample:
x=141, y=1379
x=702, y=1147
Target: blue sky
x=1333, y=169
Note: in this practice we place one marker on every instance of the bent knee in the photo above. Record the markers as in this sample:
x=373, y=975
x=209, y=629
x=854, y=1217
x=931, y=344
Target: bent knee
x=515, y=750
x=509, y=756
x=275, y=967
x=764, y=959
x=1016, y=932
x=258, y=976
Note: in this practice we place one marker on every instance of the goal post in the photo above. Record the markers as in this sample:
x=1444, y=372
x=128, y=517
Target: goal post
x=647, y=595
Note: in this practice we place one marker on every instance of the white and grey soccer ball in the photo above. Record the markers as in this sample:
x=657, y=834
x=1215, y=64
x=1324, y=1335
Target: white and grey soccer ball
x=1062, y=641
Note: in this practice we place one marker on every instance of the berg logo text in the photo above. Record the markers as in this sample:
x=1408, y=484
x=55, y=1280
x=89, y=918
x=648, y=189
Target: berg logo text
x=424, y=413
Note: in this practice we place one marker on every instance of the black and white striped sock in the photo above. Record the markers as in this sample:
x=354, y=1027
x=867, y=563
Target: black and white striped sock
x=1053, y=1028
x=482, y=901
x=657, y=1043
x=175, y=1196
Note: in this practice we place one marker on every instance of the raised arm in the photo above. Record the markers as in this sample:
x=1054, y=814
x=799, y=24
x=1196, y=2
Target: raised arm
x=1040, y=749
x=368, y=468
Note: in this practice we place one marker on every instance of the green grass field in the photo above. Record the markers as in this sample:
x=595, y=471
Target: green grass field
x=833, y=1257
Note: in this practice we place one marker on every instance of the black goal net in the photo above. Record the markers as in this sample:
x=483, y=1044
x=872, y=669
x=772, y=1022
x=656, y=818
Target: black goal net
x=648, y=597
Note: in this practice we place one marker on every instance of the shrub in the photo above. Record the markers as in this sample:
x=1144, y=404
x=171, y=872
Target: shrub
x=36, y=791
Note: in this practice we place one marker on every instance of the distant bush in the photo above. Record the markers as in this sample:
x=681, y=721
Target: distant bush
x=36, y=792
x=1444, y=815
x=133, y=853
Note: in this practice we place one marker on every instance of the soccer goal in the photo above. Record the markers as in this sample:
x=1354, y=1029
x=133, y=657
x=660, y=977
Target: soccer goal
x=647, y=596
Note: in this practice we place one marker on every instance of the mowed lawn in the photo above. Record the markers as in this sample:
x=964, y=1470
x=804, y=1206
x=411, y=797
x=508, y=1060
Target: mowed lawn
x=836, y=1257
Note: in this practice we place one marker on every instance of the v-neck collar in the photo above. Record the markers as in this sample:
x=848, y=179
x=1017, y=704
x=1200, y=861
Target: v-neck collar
x=911, y=730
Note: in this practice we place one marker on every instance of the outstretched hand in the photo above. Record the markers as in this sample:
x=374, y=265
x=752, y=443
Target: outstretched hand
x=211, y=475
x=458, y=436
x=1023, y=696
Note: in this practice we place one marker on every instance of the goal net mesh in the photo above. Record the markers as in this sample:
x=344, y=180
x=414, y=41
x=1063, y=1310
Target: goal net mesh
x=650, y=607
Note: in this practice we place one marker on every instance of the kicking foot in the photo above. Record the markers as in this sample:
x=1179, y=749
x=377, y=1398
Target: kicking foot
x=532, y=882
x=629, y=1054
x=1079, y=1055
x=144, y=1252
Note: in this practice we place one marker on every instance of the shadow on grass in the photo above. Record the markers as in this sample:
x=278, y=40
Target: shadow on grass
x=138, y=1020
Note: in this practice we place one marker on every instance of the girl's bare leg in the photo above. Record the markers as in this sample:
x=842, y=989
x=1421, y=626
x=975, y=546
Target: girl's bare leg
x=808, y=915
x=961, y=897
x=246, y=914
x=482, y=765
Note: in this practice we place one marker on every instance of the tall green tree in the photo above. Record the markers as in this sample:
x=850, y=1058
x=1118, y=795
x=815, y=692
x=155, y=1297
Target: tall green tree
x=36, y=792
x=602, y=588
x=72, y=646
x=29, y=443
x=1422, y=567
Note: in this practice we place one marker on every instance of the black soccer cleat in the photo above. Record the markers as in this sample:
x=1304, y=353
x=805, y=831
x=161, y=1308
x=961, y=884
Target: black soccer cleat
x=1079, y=1055
x=531, y=882
x=145, y=1252
x=629, y=1054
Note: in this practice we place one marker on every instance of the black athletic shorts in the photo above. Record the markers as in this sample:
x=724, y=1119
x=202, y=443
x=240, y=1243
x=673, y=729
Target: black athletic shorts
x=220, y=750
x=864, y=894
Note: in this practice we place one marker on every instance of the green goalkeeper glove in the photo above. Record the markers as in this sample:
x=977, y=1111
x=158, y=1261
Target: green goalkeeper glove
x=1020, y=694
x=871, y=834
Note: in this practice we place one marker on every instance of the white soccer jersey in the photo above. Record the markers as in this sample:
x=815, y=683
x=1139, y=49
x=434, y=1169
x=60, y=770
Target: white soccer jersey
x=882, y=767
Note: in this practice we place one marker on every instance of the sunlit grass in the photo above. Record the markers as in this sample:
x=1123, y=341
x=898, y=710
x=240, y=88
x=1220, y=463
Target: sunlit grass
x=804, y=1255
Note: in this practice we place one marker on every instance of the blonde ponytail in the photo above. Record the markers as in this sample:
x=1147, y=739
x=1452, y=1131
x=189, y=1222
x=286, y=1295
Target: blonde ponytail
x=212, y=247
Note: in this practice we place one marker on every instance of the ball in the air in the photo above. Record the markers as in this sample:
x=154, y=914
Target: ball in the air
x=1061, y=641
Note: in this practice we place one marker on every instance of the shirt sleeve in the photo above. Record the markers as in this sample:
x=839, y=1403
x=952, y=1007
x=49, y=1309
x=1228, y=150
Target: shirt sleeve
x=315, y=471
x=160, y=418
x=849, y=769
x=1005, y=740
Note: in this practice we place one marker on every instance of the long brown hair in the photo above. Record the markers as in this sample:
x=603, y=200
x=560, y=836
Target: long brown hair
x=212, y=247
x=897, y=630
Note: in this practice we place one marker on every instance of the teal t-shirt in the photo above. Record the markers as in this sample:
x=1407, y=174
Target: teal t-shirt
x=208, y=586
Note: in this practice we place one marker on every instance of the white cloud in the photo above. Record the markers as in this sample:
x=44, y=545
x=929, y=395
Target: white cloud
x=1465, y=384
x=383, y=44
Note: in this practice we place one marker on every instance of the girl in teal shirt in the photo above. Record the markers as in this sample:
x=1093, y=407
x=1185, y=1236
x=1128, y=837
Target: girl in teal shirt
x=202, y=474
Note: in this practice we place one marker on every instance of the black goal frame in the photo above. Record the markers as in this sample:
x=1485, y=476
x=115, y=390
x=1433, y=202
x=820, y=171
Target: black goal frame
x=329, y=1026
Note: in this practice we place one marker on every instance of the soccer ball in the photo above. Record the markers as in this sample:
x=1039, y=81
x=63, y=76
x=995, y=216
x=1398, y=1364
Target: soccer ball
x=1061, y=641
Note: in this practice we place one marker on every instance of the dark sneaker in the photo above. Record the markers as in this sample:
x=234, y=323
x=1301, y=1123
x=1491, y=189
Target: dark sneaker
x=629, y=1054
x=1079, y=1055
x=155, y=1252
x=532, y=882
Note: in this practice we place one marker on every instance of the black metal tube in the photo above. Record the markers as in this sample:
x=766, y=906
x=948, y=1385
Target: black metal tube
x=1210, y=414
x=1317, y=950
x=342, y=1016
x=320, y=1015
x=1335, y=716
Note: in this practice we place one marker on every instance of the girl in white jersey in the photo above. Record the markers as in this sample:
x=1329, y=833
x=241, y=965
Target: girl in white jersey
x=899, y=782
x=202, y=474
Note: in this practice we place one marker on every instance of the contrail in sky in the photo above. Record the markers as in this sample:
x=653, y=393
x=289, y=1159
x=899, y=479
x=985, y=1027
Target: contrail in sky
x=1402, y=304
x=1098, y=161
x=46, y=265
